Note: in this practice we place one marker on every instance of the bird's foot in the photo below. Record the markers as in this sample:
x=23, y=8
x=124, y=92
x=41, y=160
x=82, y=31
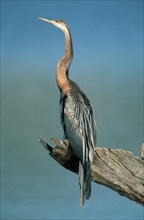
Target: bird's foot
x=63, y=148
x=62, y=152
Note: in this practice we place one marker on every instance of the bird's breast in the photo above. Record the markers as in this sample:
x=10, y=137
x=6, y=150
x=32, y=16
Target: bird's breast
x=70, y=118
x=74, y=135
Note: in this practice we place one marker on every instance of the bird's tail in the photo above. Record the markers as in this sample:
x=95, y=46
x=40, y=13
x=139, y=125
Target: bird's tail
x=84, y=182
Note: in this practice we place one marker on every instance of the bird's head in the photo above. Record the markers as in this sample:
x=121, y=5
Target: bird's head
x=58, y=23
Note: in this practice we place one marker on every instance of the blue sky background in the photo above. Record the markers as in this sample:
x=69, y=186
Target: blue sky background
x=108, y=66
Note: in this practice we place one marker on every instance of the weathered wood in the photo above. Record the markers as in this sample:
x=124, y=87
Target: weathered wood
x=117, y=169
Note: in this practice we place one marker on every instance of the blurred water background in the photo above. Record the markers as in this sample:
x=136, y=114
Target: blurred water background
x=108, y=66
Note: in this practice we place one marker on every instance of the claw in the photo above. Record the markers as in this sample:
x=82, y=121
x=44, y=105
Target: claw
x=57, y=142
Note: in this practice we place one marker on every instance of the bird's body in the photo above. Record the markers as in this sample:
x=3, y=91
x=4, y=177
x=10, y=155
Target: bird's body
x=77, y=115
x=77, y=119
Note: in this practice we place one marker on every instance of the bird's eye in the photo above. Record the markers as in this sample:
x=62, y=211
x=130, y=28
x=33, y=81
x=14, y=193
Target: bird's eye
x=57, y=21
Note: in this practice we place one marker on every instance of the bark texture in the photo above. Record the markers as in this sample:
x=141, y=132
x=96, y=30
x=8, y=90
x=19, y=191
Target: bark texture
x=117, y=169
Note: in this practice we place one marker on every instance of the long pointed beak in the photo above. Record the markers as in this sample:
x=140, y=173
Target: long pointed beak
x=47, y=20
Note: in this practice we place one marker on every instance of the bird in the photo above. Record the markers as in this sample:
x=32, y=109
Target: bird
x=76, y=113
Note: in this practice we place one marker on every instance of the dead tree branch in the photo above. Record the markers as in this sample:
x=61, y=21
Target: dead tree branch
x=117, y=169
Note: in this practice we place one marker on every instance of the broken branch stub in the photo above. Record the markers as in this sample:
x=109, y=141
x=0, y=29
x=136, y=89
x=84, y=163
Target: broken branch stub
x=117, y=169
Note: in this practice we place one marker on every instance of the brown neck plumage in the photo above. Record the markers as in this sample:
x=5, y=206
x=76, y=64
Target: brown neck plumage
x=64, y=64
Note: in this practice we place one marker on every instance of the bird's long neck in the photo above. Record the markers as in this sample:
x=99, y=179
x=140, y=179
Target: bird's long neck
x=64, y=64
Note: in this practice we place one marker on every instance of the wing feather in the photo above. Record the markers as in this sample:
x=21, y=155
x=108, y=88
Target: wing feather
x=79, y=125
